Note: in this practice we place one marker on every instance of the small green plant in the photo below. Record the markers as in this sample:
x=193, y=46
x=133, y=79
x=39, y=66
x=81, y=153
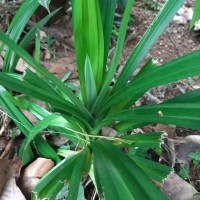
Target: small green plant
x=152, y=4
x=195, y=157
x=97, y=117
x=48, y=42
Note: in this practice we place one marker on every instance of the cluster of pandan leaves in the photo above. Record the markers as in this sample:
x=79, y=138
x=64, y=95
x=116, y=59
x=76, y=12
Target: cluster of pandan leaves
x=115, y=162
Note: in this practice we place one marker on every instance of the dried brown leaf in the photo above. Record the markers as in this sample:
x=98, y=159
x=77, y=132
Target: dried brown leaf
x=10, y=189
x=178, y=189
x=61, y=66
x=169, y=129
x=38, y=168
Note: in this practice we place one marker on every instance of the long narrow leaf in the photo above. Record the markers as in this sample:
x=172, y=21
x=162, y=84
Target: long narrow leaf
x=189, y=97
x=107, y=8
x=172, y=71
x=152, y=169
x=25, y=126
x=114, y=169
x=27, y=58
x=39, y=93
x=154, y=31
x=70, y=170
x=35, y=80
x=181, y=114
x=115, y=59
x=51, y=120
x=146, y=140
x=30, y=35
x=90, y=85
x=17, y=26
x=88, y=35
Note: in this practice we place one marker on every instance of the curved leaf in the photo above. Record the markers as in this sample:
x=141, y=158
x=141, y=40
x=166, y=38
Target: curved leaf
x=154, y=31
x=17, y=26
x=114, y=63
x=152, y=169
x=28, y=59
x=36, y=92
x=169, y=72
x=145, y=140
x=30, y=35
x=6, y=100
x=51, y=120
x=119, y=177
x=69, y=170
x=181, y=114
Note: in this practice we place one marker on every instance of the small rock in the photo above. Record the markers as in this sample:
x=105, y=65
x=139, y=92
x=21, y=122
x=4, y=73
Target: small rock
x=179, y=20
x=197, y=26
x=38, y=168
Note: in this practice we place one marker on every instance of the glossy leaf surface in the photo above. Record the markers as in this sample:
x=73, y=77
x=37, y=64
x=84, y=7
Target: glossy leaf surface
x=69, y=171
x=114, y=169
x=153, y=32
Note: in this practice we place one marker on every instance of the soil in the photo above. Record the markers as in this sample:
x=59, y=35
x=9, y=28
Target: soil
x=176, y=40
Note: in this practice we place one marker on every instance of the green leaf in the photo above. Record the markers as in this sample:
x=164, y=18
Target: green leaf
x=115, y=59
x=146, y=140
x=122, y=4
x=16, y=28
x=107, y=8
x=45, y=4
x=30, y=35
x=196, y=14
x=90, y=87
x=152, y=169
x=189, y=97
x=51, y=120
x=37, y=47
x=16, y=115
x=70, y=170
x=148, y=67
x=154, y=31
x=28, y=59
x=88, y=36
x=180, y=114
x=25, y=126
x=37, y=81
x=162, y=74
x=119, y=177
x=36, y=92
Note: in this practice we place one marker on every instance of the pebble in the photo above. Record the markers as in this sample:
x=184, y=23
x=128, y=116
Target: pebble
x=183, y=15
x=197, y=26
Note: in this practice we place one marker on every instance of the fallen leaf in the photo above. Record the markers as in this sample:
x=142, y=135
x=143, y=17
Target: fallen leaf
x=27, y=184
x=4, y=171
x=178, y=189
x=10, y=189
x=61, y=66
x=38, y=168
x=30, y=116
x=22, y=66
x=169, y=129
x=33, y=173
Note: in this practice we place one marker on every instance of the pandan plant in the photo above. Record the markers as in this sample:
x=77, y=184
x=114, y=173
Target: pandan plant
x=98, y=118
